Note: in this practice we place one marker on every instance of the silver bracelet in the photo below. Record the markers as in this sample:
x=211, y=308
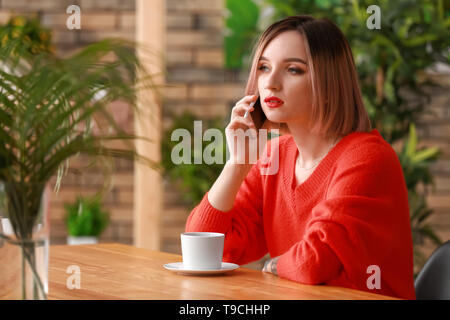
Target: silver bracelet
x=274, y=266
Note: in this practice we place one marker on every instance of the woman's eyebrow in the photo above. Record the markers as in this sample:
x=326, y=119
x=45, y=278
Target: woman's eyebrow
x=286, y=60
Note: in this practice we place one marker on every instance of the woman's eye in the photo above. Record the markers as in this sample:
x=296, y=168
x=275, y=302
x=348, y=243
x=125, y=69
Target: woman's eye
x=291, y=70
x=296, y=71
x=261, y=67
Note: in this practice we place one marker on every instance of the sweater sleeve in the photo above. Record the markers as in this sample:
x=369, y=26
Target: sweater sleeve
x=366, y=207
x=242, y=225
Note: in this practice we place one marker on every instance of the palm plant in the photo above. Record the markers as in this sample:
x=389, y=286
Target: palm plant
x=52, y=109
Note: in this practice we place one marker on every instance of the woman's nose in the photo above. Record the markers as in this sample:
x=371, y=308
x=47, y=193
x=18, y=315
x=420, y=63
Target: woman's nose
x=273, y=82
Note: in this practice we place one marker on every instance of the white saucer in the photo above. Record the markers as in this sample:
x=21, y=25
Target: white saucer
x=178, y=267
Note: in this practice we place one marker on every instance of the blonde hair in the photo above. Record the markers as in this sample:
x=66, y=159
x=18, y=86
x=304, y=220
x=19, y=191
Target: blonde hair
x=337, y=105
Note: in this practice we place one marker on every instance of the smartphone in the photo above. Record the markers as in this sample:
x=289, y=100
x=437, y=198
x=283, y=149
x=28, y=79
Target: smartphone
x=258, y=115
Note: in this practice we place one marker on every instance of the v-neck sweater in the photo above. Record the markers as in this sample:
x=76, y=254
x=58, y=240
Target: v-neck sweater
x=346, y=225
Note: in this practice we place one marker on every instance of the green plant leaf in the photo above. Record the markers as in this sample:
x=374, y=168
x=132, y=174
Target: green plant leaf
x=419, y=40
x=427, y=230
x=424, y=155
x=241, y=26
x=412, y=141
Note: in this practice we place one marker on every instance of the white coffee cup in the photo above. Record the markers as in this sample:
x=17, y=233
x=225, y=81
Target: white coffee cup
x=202, y=250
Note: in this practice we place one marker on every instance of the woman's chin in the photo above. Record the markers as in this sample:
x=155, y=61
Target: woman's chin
x=270, y=124
x=277, y=119
x=280, y=126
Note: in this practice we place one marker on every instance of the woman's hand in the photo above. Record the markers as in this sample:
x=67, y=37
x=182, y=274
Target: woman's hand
x=270, y=266
x=242, y=152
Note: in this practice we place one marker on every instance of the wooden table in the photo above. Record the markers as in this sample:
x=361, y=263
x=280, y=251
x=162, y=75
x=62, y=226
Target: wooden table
x=117, y=271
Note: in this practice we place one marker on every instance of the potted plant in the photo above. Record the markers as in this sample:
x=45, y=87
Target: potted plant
x=52, y=109
x=85, y=220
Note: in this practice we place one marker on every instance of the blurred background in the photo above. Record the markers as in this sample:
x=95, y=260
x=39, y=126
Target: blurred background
x=206, y=49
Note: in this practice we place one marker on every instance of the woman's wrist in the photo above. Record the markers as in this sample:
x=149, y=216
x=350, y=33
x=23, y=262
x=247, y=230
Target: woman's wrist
x=224, y=190
x=238, y=170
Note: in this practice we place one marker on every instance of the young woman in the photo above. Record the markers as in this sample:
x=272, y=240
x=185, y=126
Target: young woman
x=336, y=212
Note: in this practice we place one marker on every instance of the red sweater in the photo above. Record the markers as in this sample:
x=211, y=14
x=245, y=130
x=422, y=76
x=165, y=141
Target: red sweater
x=351, y=213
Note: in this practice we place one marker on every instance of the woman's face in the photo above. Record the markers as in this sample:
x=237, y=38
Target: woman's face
x=283, y=72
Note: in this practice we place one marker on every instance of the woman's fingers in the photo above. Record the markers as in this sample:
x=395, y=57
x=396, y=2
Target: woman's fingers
x=239, y=111
x=242, y=152
x=247, y=99
x=241, y=123
x=238, y=121
x=243, y=105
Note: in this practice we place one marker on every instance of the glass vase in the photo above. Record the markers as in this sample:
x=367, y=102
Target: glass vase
x=24, y=241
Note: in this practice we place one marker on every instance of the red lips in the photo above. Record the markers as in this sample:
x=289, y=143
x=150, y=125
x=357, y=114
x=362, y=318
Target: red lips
x=273, y=102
